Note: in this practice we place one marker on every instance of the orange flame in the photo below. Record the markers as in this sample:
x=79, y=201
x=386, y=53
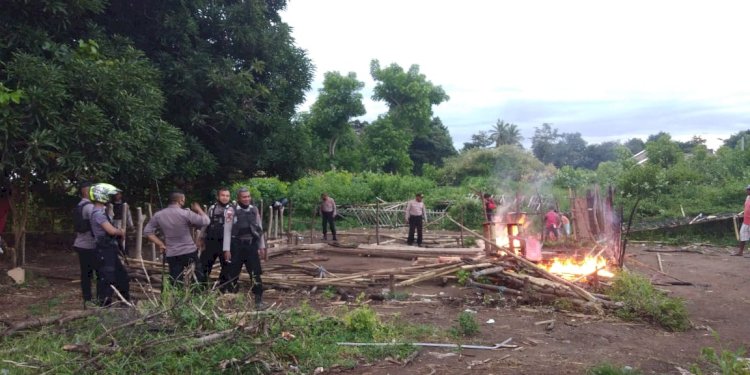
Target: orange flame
x=571, y=269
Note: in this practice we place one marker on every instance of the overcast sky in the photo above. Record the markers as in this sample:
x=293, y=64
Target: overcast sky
x=609, y=70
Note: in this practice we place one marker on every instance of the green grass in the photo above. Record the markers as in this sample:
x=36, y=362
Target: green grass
x=166, y=343
x=610, y=369
x=643, y=302
x=721, y=361
x=467, y=325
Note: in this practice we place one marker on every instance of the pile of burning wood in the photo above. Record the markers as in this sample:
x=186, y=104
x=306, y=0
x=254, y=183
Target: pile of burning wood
x=506, y=273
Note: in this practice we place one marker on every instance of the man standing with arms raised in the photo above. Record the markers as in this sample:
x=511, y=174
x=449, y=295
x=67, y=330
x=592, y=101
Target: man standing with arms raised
x=415, y=215
x=176, y=224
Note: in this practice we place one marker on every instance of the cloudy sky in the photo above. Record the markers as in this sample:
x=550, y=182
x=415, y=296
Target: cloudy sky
x=609, y=70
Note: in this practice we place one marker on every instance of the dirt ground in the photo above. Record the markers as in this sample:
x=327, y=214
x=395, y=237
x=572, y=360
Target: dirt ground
x=719, y=301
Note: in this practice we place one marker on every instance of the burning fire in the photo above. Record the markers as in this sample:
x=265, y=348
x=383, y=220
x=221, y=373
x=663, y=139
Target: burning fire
x=571, y=269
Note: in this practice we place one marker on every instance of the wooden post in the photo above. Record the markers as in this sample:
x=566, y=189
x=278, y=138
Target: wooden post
x=377, y=224
x=124, y=225
x=312, y=224
x=139, y=235
x=280, y=226
x=270, y=222
x=289, y=224
x=151, y=244
x=461, y=227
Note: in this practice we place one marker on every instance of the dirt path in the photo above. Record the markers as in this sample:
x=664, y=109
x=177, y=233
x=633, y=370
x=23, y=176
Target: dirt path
x=575, y=343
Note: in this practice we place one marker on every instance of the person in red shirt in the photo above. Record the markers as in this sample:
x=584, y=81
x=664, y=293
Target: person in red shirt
x=745, y=229
x=551, y=223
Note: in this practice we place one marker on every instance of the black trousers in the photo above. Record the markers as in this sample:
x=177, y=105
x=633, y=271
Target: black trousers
x=415, y=223
x=244, y=253
x=88, y=260
x=178, y=264
x=111, y=272
x=329, y=219
x=214, y=249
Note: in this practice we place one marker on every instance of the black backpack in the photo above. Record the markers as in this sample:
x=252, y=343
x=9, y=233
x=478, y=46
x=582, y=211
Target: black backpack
x=80, y=224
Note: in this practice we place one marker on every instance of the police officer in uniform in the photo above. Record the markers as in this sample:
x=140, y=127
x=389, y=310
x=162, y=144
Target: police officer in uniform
x=85, y=243
x=244, y=244
x=212, y=238
x=110, y=270
x=176, y=224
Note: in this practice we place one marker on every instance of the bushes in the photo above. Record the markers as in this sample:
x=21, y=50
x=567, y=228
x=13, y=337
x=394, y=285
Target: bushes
x=643, y=302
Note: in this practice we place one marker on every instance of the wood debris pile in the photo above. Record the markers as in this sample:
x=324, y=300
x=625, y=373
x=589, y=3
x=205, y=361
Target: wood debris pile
x=511, y=275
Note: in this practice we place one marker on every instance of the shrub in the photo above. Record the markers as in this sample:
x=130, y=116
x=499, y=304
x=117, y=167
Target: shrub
x=362, y=321
x=643, y=302
x=268, y=189
x=467, y=325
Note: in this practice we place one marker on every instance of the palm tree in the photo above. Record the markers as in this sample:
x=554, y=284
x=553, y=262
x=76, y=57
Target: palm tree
x=504, y=133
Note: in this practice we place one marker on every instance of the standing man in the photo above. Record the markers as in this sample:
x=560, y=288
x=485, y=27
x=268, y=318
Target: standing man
x=328, y=213
x=415, y=216
x=551, y=223
x=110, y=271
x=85, y=243
x=745, y=229
x=118, y=212
x=212, y=240
x=176, y=223
x=489, y=206
x=244, y=245
x=565, y=224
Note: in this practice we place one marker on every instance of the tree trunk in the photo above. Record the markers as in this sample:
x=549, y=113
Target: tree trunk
x=20, y=203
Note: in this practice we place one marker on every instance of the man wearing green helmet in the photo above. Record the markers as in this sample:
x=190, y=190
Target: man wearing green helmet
x=111, y=272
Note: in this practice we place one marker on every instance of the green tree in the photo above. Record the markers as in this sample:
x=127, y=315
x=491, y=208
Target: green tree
x=410, y=97
x=663, y=152
x=543, y=142
x=232, y=76
x=481, y=139
x=503, y=133
x=387, y=147
x=432, y=146
x=338, y=101
x=88, y=111
x=635, y=145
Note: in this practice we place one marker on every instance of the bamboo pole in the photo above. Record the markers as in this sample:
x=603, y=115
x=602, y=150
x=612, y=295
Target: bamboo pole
x=270, y=222
x=151, y=244
x=289, y=224
x=312, y=224
x=377, y=222
x=580, y=291
x=139, y=235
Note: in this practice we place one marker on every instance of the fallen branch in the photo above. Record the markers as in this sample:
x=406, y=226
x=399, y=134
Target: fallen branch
x=54, y=319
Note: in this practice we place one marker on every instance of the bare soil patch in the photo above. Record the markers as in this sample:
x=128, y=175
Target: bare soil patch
x=719, y=301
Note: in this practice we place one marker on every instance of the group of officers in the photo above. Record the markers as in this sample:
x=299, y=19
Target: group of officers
x=230, y=232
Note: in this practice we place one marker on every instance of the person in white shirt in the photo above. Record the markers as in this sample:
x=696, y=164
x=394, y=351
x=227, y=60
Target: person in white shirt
x=415, y=215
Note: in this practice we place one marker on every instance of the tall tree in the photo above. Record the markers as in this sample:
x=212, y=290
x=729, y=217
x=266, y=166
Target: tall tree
x=387, y=147
x=89, y=110
x=432, y=146
x=482, y=139
x=409, y=96
x=231, y=73
x=338, y=102
x=504, y=133
x=543, y=142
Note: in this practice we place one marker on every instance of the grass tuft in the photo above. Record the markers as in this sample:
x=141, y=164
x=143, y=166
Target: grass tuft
x=643, y=302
